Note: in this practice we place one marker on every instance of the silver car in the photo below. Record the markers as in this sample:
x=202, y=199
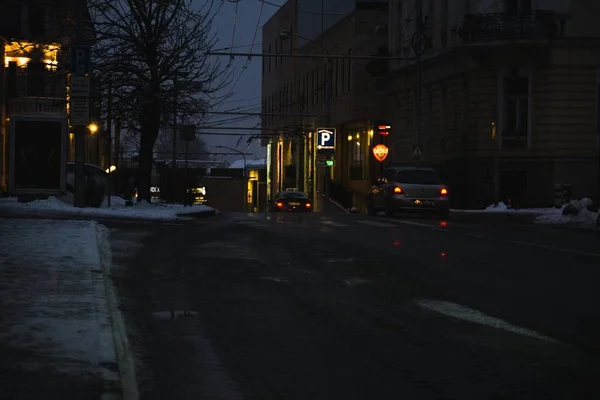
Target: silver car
x=417, y=189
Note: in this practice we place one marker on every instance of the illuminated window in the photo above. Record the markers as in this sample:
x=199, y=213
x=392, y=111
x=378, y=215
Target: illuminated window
x=357, y=144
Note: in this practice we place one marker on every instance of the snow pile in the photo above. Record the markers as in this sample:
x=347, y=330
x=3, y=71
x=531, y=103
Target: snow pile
x=53, y=300
x=503, y=208
x=142, y=210
x=115, y=201
x=577, y=212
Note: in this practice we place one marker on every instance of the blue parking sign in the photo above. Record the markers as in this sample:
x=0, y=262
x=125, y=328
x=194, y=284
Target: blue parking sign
x=325, y=140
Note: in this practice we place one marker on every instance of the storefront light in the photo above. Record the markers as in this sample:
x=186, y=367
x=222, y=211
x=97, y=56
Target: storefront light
x=349, y=138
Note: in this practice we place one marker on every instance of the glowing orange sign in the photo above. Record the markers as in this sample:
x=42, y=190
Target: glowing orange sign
x=380, y=152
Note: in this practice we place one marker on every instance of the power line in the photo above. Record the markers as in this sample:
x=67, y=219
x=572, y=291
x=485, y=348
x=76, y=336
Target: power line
x=304, y=11
x=287, y=55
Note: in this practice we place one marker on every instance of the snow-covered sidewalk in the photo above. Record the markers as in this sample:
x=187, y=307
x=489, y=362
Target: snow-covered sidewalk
x=142, y=211
x=583, y=218
x=56, y=338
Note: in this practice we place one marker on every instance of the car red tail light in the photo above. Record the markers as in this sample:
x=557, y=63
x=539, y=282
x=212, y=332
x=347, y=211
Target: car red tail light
x=307, y=205
x=398, y=190
x=279, y=204
x=444, y=192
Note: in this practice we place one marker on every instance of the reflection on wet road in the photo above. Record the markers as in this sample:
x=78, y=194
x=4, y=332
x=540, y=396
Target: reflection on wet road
x=317, y=306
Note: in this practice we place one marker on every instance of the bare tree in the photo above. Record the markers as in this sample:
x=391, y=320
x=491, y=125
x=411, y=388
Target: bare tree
x=163, y=149
x=153, y=52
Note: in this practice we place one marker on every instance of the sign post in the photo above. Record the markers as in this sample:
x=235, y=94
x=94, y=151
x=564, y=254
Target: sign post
x=326, y=147
x=79, y=101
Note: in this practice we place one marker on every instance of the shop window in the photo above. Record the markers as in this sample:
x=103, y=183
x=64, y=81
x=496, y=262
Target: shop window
x=516, y=111
x=356, y=155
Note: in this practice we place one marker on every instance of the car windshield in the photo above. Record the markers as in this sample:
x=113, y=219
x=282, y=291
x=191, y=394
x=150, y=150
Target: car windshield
x=419, y=176
x=293, y=194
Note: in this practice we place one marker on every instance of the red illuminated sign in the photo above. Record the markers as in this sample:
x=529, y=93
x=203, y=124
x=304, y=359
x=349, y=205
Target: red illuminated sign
x=380, y=152
x=384, y=130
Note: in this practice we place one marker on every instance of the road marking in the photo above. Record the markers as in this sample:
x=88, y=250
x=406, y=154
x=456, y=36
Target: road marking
x=332, y=223
x=560, y=249
x=428, y=226
x=471, y=315
x=275, y=279
x=356, y=281
x=375, y=223
x=475, y=235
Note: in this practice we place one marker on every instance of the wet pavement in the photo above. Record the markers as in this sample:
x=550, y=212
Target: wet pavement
x=317, y=306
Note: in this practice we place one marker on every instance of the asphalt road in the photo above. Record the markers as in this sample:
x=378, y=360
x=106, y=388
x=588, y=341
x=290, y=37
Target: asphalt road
x=319, y=306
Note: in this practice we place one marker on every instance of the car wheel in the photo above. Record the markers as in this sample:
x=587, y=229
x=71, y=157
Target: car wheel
x=389, y=210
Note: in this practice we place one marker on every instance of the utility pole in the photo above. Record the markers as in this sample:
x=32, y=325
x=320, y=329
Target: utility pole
x=79, y=129
x=109, y=137
x=174, y=157
x=2, y=106
x=418, y=43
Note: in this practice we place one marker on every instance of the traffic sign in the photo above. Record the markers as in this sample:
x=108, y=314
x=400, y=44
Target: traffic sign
x=80, y=86
x=325, y=163
x=81, y=59
x=417, y=151
x=325, y=140
x=80, y=111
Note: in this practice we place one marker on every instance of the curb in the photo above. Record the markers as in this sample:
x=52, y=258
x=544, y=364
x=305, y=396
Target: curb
x=129, y=387
x=335, y=203
x=200, y=214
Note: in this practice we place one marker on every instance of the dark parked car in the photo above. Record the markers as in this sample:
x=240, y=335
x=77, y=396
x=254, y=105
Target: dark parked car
x=416, y=189
x=291, y=201
x=96, y=180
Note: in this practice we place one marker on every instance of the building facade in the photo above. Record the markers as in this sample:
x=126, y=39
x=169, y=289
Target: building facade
x=34, y=136
x=318, y=81
x=508, y=96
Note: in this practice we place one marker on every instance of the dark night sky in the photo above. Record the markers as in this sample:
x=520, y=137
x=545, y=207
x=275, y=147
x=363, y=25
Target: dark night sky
x=246, y=97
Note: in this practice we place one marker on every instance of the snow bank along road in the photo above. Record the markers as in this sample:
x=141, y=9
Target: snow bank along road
x=56, y=336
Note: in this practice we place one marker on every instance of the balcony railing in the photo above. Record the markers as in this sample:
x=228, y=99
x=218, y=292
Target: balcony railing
x=535, y=24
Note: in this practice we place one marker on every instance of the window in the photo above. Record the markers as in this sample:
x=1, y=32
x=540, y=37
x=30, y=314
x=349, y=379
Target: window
x=516, y=111
x=349, y=70
x=342, y=90
x=444, y=25
x=356, y=155
x=37, y=17
x=312, y=87
x=36, y=73
x=298, y=95
x=513, y=7
x=277, y=42
x=337, y=75
x=10, y=19
x=419, y=176
x=399, y=27
x=320, y=82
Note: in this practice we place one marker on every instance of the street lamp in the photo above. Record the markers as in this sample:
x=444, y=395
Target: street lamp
x=236, y=151
x=93, y=128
